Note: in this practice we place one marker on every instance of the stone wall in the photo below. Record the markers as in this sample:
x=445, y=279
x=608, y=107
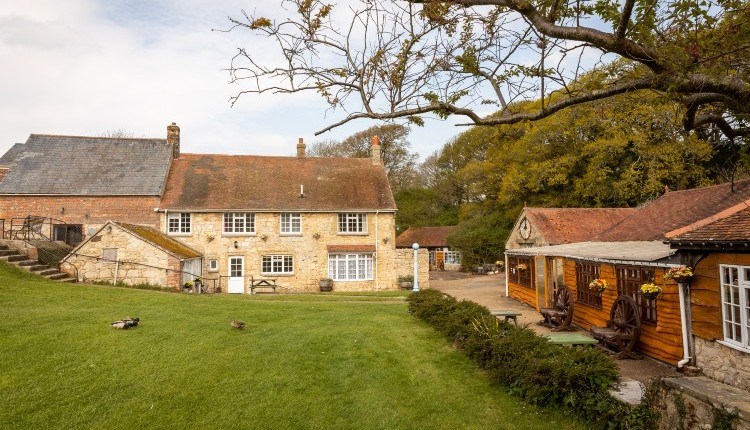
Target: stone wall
x=140, y=262
x=90, y=211
x=693, y=403
x=403, y=264
x=309, y=249
x=722, y=363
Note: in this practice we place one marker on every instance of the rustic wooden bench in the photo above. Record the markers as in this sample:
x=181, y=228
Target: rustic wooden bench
x=508, y=315
x=560, y=316
x=623, y=329
x=262, y=283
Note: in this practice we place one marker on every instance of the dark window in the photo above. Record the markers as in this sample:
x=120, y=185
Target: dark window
x=72, y=234
x=518, y=276
x=629, y=281
x=585, y=273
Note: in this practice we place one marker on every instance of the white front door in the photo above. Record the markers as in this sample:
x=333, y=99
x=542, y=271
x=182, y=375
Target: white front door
x=236, y=284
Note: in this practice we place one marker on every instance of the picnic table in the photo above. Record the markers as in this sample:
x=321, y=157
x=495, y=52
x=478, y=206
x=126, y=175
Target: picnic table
x=507, y=314
x=571, y=339
x=262, y=283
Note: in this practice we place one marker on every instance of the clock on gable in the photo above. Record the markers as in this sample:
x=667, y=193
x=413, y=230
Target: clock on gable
x=524, y=228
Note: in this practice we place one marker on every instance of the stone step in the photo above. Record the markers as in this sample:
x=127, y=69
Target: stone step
x=48, y=271
x=68, y=280
x=57, y=276
x=38, y=267
x=8, y=252
x=27, y=263
x=14, y=258
x=3, y=246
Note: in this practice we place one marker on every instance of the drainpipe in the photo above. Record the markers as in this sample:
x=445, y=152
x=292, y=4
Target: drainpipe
x=681, y=287
x=507, y=292
x=377, y=277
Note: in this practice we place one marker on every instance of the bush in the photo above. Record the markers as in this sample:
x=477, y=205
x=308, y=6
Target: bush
x=536, y=370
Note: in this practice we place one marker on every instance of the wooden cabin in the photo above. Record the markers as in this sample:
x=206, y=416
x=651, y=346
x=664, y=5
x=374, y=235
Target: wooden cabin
x=625, y=266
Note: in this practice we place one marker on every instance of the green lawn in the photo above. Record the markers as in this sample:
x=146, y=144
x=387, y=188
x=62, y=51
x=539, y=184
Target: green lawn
x=304, y=361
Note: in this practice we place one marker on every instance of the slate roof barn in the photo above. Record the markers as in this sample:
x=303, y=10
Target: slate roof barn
x=86, y=166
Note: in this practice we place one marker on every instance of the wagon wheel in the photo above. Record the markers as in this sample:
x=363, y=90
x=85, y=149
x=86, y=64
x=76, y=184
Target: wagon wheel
x=626, y=320
x=565, y=301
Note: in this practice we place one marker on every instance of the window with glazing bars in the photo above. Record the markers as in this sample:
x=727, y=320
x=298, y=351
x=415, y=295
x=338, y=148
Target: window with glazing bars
x=629, y=281
x=352, y=223
x=277, y=264
x=585, y=273
x=239, y=222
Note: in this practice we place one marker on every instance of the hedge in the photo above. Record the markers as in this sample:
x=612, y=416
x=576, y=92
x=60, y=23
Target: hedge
x=538, y=371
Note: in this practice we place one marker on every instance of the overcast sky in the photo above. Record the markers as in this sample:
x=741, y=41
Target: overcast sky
x=85, y=67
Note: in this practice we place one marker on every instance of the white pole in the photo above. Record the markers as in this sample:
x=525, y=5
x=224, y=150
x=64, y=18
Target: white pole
x=117, y=266
x=415, y=247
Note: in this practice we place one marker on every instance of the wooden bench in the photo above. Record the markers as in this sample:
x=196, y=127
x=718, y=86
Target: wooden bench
x=560, y=316
x=623, y=329
x=508, y=315
x=262, y=283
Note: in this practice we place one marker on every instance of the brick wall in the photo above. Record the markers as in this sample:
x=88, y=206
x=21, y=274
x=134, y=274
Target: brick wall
x=91, y=211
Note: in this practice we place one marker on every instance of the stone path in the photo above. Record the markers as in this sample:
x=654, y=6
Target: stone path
x=489, y=290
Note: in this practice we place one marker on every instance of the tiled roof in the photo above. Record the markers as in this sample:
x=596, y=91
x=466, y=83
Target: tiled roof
x=675, y=210
x=424, y=236
x=733, y=228
x=161, y=240
x=569, y=225
x=71, y=165
x=613, y=251
x=258, y=183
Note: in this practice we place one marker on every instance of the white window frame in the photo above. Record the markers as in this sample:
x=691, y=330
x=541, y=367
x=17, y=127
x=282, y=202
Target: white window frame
x=358, y=219
x=452, y=257
x=287, y=226
x=351, y=267
x=235, y=219
x=179, y=223
x=285, y=260
x=213, y=265
x=733, y=313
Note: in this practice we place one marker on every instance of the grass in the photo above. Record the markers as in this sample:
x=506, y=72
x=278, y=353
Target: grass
x=320, y=361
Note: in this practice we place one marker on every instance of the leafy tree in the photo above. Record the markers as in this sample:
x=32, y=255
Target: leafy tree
x=400, y=164
x=481, y=239
x=422, y=207
x=403, y=59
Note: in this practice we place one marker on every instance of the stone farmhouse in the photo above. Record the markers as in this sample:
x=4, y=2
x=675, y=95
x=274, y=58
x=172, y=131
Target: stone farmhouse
x=435, y=240
x=289, y=221
x=703, y=321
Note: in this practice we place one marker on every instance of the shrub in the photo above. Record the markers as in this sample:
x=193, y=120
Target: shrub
x=536, y=370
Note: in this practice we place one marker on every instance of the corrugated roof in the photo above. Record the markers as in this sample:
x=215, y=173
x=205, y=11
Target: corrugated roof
x=161, y=240
x=424, y=236
x=74, y=165
x=677, y=209
x=643, y=251
x=570, y=225
x=257, y=183
x=733, y=228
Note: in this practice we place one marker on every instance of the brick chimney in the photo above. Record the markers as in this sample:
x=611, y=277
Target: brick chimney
x=3, y=172
x=173, y=138
x=301, y=148
x=375, y=151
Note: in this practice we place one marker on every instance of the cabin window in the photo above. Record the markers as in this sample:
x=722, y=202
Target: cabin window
x=291, y=223
x=178, y=222
x=520, y=271
x=629, y=281
x=352, y=223
x=350, y=267
x=735, y=305
x=585, y=273
x=213, y=265
x=277, y=265
x=239, y=222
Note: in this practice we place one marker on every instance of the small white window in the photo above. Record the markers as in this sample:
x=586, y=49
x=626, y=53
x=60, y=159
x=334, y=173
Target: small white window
x=735, y=305
x=452, y=257
x=239, y=222
x=277, y=265
x=213, y=265
x=352, y=223
x=178, y=222
x=350, y=267
x=291, y=223
x=109, y=254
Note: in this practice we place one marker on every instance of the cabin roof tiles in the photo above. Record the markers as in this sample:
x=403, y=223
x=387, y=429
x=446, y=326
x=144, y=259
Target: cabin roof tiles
x=570, y=225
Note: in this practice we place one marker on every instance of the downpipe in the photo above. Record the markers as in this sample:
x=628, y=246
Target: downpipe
x=683, y=319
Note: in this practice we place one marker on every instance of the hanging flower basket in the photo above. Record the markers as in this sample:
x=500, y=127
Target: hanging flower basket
x=598, y=285
x=522, y=267
x=650, y=291
x=679, y=274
